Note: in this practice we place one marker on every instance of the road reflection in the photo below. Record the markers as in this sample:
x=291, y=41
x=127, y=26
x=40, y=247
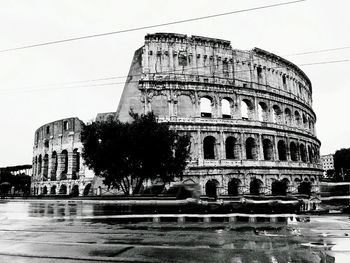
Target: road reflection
x=320, y=239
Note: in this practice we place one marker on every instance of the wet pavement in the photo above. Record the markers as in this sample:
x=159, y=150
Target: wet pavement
x=86, y=231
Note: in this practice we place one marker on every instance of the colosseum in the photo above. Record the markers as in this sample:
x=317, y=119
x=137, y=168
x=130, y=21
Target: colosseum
x=249, y=115
x=58, y=168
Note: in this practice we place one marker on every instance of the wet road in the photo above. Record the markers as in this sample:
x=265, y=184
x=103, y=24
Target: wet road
x=86, y=231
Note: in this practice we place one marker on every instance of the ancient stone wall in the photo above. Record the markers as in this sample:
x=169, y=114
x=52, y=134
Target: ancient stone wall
x=57, y=163
x=249, y=113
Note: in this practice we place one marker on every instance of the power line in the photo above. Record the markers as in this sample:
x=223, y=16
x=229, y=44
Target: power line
x=317, y=51
x=136, y=81
x=150, y=26
x=325, y=62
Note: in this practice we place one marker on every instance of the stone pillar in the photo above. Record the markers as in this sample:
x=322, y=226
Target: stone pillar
x=70, y=166
x=275, y=150
x=256, y=111
x=222, y=154
x=288, y=155
x=243, y=151
x=199, y=145
x=260, y=148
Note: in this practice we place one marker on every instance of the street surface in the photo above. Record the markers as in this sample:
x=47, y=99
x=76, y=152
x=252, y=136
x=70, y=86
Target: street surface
x=86, y=231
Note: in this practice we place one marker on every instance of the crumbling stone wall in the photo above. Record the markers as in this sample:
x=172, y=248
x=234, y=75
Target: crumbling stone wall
x=269, y=99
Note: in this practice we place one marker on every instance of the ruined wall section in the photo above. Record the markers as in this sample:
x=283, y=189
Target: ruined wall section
x=131, y=96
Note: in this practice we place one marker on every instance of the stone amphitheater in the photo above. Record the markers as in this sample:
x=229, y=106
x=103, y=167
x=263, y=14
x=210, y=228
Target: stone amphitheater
x=249, y=115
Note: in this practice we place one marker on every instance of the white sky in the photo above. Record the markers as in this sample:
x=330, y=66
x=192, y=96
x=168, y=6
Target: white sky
x=300, y=27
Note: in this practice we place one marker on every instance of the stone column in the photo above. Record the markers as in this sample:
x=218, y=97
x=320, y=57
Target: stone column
x=222, y=154
x=243, y=155
x=260, y=148
x=275, y=150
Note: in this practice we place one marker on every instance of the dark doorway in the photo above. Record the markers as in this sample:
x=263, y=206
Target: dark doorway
x=210, y=189
x=304, y=188
x=255, y=186
x=63, y=190
x=75, y=190
x=209, y=147
x=87, y=189
x=233, y=187
x=279, y=187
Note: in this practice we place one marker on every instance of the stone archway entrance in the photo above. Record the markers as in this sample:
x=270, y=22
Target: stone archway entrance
x=255, y=187
x=211, y=188
x=53, y=190
x=279, y=187
x=75, y=190
x=63, y=190
x=87, y=189
x=305, y=188
x=233, y=187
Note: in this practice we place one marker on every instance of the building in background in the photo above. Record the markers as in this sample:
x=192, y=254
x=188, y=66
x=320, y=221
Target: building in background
x=25, y=169
x=327, y=163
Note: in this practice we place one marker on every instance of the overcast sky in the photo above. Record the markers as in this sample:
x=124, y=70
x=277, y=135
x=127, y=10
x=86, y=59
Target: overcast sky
x=32, y=81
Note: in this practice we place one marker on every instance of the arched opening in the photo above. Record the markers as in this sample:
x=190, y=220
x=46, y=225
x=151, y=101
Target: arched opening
x=54, y=166
x=246, y=109
x=302, y=153
x=206, y=107
x=209, y=147
x=231, y=148
x=311, y=154
x=160, y=106
x=75, y=190
x=63, y=190
x=276, y=114
x=64, y=164
x=211, y=188
x=288, y=116
x=46, y=167
x=304, y=188
x=305, y=121
x=293, y=152
x=184, y=106
x=233, y=187
x=226, y=108
x=39, y=164
x=44, y=192
x=279, y=187
x=263, y=112
x=267, y=149
x=87, y=189
x=76, y=164
x=297, y=118
x=311, y=124
x=255, y=187
x=53, y=190
x=282, y=152
x=284, y=81
x=250, y=146
x=66, y=125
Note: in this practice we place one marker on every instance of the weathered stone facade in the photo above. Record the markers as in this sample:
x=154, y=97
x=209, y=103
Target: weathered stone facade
x=249, y=113
x=57, y=162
